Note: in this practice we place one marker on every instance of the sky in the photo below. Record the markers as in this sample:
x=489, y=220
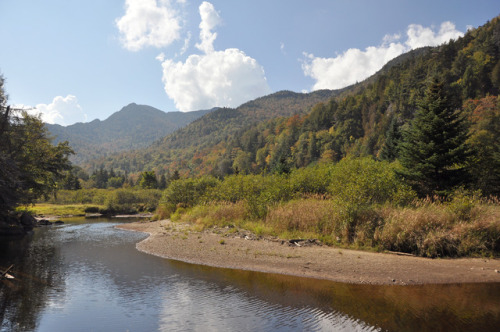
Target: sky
x=78, y=60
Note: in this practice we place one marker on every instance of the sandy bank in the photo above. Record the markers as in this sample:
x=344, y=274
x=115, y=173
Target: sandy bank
x=175, y=241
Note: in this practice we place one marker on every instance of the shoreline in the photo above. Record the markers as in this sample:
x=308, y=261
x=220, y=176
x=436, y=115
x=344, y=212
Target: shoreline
x=228, y=248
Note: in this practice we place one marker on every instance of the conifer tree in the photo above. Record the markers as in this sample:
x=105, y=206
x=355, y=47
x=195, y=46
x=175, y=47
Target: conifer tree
x=390, y=150
x=434, y=153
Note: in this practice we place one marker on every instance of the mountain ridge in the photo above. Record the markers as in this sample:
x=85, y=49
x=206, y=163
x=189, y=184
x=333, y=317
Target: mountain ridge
x=132, y=127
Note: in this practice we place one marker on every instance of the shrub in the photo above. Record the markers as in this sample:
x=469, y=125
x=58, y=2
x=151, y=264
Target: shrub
x=311, y=180
x=357, y=186
x=464, y=204
x=257, y=191
x=132, y=201
x=186, y=192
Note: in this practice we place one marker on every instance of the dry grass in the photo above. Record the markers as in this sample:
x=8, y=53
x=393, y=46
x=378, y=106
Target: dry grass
x=308, y=215
x=463, y=226
x=438, y=230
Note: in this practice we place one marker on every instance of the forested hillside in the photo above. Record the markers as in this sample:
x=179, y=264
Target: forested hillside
x=287, y=130
x=182, y=149
x=133, y=127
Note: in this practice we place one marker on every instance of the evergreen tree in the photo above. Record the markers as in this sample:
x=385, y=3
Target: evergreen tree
x=434, y=153
x=390, y=150
x=148, y=180
x=70, y=181
x=175, y=176
x=163, y=182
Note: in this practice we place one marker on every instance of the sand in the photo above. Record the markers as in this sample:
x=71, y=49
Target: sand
x=228, y=248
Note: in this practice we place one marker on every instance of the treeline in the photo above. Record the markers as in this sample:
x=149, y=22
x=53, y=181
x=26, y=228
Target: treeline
x=77, y=178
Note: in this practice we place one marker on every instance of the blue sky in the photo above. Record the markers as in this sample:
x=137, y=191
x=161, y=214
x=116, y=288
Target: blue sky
x=76, y=61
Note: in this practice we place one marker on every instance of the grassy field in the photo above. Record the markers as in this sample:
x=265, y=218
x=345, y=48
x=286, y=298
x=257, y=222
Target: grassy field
x=46, y=209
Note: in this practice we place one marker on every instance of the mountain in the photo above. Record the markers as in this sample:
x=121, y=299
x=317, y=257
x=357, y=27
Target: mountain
x=133, y=127
x=287, y=130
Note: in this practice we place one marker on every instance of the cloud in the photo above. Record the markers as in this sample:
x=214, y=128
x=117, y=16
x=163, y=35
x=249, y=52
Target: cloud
x=418, y=36
x=220, y=78
x=215, y=78
x=186, y=44
x=282, y=48
x=355, y=65
x=148, y=23
x=209, y=20
x=62, y=110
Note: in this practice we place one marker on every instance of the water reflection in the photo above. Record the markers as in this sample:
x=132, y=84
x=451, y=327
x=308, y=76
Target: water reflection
x=460, y=307
x=36, y=263
x=88, y=276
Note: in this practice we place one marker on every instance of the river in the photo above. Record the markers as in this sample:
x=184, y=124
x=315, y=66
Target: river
x=87, y=275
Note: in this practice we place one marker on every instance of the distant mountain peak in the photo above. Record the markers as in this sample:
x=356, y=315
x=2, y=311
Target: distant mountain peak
x=132, y=127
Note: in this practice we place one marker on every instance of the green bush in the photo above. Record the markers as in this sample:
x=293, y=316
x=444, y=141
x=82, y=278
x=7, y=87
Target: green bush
x=132, y=201
x=186, y=193
x=358, y=185
x=311, y=180
x=257, y=191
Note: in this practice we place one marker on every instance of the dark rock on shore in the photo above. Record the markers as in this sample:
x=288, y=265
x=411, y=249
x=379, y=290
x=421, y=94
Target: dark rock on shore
x=45, y=222
x=17, y=224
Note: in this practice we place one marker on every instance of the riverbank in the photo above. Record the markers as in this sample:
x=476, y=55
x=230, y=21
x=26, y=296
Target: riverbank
x=228, y=248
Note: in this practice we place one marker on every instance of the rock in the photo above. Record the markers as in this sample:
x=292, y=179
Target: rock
x=44, y=222
x=59, y=222
x=27, y=221
x=10, y=225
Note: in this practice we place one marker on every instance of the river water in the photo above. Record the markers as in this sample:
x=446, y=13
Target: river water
x=86, y=275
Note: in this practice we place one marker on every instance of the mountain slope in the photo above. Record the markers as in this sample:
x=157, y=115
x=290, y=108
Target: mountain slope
x=211, y=130
x=133, y=127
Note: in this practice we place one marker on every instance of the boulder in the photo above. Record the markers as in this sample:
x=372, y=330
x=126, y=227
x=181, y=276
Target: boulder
x=27, y=221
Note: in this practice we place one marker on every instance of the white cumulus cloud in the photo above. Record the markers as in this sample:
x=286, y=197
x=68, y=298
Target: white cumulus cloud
x=148, y=23
x=62, y=110
x=209, y=20
x=214, y=78
x=418, y=36
x=355, y=65
x=220, y=78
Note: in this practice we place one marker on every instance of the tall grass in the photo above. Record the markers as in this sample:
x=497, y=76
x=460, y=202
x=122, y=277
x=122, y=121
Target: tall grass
x=456, y=228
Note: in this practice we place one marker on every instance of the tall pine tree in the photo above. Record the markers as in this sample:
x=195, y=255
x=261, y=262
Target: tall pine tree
x=434, y=153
